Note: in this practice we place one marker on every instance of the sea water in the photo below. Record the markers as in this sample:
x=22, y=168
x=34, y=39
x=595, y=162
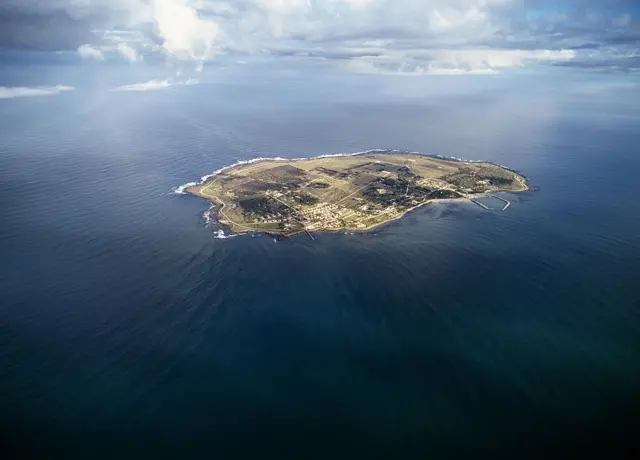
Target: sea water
x=129, y=327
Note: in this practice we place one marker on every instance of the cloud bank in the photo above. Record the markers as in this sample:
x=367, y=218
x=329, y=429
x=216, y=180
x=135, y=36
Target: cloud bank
x=416, y=37
x=21, y=91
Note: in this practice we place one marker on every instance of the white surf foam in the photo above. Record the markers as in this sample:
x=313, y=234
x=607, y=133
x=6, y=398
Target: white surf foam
x=182, y=189
x=221, y=235
x=210, y=218
x=209, y=215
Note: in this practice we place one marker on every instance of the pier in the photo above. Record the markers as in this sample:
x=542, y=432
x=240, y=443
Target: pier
x=507, y=202
x=480, y=204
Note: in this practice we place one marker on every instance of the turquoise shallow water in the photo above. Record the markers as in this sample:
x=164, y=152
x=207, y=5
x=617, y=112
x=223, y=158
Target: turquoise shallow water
x=128, y=329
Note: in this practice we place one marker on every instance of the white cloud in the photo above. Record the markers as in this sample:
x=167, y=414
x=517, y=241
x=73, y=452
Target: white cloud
x=90, y=52
x=185, y=33
x=454, y=62
x=121, y=43
x=411, y=69
x=129, y=53
x=446, y=18
x=418, y=37
x=285, y=6
x=452, y=71
x=197, y=30
x=146, y=86
x=478, y=59
x=188, y=33
x=22, y=91
x=154, y=85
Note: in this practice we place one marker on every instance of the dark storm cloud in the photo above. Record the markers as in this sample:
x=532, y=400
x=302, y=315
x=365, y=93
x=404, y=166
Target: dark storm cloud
x=55, y=30
x=618, y=63
x=54, y=25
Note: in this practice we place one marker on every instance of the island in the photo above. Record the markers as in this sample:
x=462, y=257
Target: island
x=343, y=192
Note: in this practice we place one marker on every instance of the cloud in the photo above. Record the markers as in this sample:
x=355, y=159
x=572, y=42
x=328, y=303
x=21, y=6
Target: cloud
x=89, y=52
x=21, y=91
x=458, y=71
x=184, y=32
x=128, y=52
x=455, y=62
x=151, y=85
x=446, y=36
x=480, y=59
x=115, y=45
x=154, y=85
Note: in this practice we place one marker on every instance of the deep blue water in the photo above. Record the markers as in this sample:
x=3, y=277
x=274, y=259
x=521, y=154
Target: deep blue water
x=128, y=330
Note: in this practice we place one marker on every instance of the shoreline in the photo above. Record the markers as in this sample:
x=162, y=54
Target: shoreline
x=232, y=231
x=374, y=226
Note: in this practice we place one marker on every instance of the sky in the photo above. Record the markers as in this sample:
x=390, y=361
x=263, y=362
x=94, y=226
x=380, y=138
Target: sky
x=421, y=38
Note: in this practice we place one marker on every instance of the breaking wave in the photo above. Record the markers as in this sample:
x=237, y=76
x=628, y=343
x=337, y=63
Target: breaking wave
x=182, y=189
x=221, y=235
x=209, y=215
x=209, y=218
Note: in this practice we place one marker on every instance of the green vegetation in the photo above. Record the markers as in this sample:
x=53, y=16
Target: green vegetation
x=304, y=198
x=262, y=206
x=480, y=179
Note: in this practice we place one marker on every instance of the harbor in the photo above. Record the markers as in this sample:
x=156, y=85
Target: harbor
x=477, y=201
x=507, y=203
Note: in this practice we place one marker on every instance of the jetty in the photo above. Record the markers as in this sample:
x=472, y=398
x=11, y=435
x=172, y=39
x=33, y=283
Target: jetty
x=507, y=203
x=480, y=204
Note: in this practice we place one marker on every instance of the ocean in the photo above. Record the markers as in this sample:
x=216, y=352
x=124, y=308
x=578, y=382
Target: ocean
x=131, y=328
